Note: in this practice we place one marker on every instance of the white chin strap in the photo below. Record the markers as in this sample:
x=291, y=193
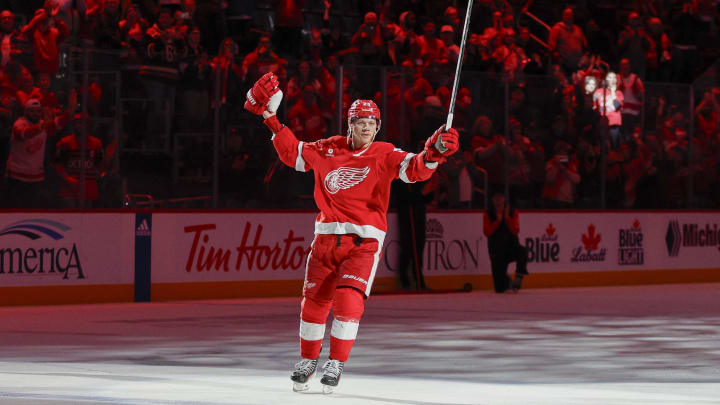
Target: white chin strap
x=350, y=134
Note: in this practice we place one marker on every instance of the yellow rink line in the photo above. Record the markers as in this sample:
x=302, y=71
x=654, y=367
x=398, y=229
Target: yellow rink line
x=46, y=295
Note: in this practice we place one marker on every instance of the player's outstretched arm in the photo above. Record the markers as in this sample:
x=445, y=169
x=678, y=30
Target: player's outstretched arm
x=264, y=99
x=438, y=147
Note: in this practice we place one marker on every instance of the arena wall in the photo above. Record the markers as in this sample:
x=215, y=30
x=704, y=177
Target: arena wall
x=73, y=257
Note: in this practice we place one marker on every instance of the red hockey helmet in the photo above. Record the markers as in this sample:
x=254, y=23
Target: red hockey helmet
x=364, y=109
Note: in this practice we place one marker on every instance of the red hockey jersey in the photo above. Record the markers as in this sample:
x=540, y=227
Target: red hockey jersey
x=352, y=187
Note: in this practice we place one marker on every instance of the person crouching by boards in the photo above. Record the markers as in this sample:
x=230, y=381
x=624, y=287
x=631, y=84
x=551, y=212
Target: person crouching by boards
x=501, y=226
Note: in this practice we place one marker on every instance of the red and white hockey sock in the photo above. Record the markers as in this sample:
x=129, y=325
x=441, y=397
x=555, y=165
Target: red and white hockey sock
x=348, y=309
x=313, y=314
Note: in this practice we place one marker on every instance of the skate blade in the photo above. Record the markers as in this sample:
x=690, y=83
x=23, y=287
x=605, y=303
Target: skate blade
x=301, y=387
x=328, y=389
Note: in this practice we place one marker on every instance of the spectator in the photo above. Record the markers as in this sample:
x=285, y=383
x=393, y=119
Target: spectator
x=46, y=96
x=209, y=17
x=432, y=48
x=162, y=46
x=261, y=61
x=195, y=74
x=296, y=84
x=484, y=13
x=46, y=32
x=707, y=116
x=72, y=163
x=561, y=177
x=518, y=164
x=588, y=159
x=133, y=27
x=625, y=169
x=25, y=170
x=501, y=226
x=333, y=41
x=491, y=36
x=608, y=101
x=634, y=98
x=396, y=124
x=535, y=156
x=447, y=35
x=369, y=42
x=510, y=58
x=659, y=56
x=600, y=41
x=431, y=115
x=25, y=88
x=686, y=32
x=104, y=24
x=415, y=97
x=160, y=74
x=228, y=72
x=287, y=33
x=634, y=44
x=463, y=113
x=489, y=151
x=585, y=114
x=404, y=46
x=450, y=17
x=305, y=117
x=535, y=53
x=328, y=81
x=8, y=38
x=567, y=42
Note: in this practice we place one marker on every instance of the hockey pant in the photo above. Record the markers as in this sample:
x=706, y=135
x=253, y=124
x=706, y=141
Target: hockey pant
x=338, y=276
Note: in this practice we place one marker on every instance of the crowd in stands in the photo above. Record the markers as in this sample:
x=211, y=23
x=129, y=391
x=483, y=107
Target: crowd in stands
x=592, y=122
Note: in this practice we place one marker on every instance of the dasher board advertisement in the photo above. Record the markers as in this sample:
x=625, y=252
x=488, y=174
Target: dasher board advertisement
x=207, y=247
x=576, y=242
x=66, y=249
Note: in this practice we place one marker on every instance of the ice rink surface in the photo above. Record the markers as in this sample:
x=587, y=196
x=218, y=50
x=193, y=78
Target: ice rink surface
x=611, y=345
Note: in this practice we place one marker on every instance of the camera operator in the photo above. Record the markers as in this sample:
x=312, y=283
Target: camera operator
x=501, y=226
x=560, y=178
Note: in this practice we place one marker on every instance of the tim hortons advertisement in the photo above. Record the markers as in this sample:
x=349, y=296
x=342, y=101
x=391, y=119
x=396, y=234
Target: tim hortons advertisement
x=274, y=246
x=39, y=249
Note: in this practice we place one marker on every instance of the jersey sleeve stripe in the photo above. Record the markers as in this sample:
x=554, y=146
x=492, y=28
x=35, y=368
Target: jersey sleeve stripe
x=299, y=161
x=403, y=168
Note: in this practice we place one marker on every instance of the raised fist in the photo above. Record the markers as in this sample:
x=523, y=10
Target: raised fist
x=264, y=95
x=441, y=144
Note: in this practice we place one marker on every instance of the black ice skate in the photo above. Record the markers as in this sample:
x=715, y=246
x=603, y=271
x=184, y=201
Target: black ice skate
x=517, y=282
x=331, y=376
x=304, y=371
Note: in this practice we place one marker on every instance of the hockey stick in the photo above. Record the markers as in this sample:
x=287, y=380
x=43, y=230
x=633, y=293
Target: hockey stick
x=448, y=123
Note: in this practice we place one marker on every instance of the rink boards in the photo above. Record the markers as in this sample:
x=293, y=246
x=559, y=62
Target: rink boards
x=72, y=257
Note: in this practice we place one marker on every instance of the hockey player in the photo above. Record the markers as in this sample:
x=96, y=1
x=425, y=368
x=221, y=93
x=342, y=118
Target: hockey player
x=352, y=188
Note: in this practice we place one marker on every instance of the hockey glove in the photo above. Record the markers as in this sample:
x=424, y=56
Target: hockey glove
x=264, y=95
x=441, y=144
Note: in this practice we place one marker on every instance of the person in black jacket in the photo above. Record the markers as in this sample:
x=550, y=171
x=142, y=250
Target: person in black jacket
x=501, y=227
x=412, y=214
